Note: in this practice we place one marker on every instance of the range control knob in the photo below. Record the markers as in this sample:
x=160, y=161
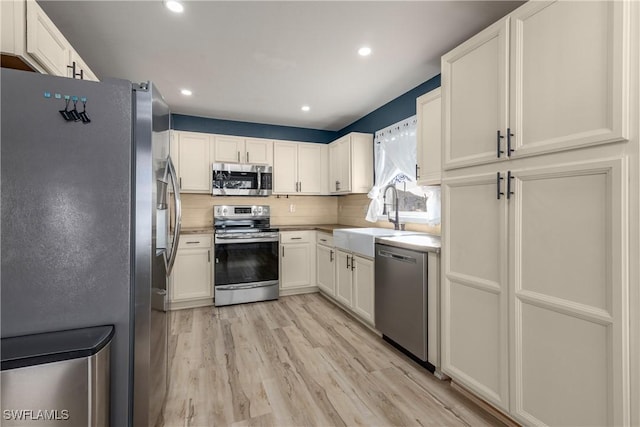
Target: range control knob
x=224, y=211
x=259, y=210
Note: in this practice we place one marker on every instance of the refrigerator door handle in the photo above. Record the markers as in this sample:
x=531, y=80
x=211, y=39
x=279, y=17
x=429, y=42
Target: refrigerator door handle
x=176, y=230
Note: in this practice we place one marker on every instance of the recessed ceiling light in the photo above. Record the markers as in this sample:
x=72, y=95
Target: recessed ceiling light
x=364, y=51
x=305, y=108
x=174, y=6
x=186, y=92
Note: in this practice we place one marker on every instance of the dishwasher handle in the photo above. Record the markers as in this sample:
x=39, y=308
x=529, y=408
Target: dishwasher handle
x=387, y=254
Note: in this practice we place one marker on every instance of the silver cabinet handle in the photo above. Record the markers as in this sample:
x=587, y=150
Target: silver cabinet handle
x=192, y=243
x=180, y=185
x=323, y=240
x=247, y=157
x=348, y=266
x=209, y=255
x=283, y=252
x=238, y=157
x=331, y=256
x=296, y=238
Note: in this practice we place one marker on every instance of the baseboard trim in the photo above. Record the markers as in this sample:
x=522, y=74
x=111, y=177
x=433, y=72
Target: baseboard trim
x=298, y=291
x=179, y=305
x=504, y=418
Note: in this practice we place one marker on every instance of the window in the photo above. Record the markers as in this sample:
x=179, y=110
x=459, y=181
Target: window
x=395, y=161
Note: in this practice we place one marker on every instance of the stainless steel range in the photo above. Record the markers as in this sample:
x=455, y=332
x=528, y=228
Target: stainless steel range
x=246, y=255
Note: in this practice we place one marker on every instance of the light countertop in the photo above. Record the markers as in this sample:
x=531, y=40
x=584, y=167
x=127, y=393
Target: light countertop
x=416, y=242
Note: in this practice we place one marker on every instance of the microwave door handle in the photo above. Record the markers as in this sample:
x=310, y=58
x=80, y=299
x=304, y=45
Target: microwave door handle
x=170, y=260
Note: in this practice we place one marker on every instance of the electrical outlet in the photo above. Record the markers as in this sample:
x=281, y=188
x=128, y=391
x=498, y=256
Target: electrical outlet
x=292, y=208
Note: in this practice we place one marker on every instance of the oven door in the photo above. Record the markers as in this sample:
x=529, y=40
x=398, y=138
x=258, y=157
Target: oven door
x=246, y=269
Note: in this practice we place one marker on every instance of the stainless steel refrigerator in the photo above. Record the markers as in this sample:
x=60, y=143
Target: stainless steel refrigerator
x=87, y=188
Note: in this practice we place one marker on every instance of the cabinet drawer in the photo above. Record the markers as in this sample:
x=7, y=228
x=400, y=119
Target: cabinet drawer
x=195, y=241
x=295, y=237
x=324, y=238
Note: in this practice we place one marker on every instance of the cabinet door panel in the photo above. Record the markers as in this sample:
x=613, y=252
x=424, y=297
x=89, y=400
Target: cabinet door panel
x=258, y=151
x=568, y=83
x=340, y=165
x=285, y=167
x=191, y=276
x=195, y=169
x=45, y=42
x=309, y=168
x=569, y=298
x=296, y=265
x=363, y=288
x=474, y=82
x=344, y=282
x=429, y=138
x=326, y=269
x=228, y=149
x=475, y=332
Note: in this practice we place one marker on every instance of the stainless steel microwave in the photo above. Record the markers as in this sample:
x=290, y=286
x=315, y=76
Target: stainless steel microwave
x=230, y=179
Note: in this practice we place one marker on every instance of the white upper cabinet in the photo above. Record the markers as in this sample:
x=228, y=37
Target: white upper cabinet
x=351, y=164
x=549, y=77
x=258, y=151
x=194, y=167
x=234, y=149
x=568, y=82
x=29, y=35
x=429, y=138
x=310, y=167
x=474, y=97
x=285, y=167
x=45, y=42
x=299, y=168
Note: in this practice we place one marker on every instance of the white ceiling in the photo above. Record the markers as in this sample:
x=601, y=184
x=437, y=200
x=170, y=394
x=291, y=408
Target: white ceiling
x=261, y=61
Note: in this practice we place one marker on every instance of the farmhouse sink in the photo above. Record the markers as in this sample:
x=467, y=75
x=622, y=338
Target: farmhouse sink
x=362, y=241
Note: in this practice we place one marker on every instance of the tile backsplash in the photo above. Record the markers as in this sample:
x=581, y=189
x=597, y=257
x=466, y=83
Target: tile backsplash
x=197, y=210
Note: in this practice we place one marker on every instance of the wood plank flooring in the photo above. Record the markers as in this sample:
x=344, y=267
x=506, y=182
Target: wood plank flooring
x=299, y=361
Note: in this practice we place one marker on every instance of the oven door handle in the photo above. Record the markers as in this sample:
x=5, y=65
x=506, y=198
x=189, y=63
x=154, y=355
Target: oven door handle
x=224, y=241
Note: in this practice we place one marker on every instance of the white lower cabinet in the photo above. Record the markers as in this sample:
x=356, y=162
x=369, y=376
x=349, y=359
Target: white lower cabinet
x=363, y=287
x=355, y=284
x=326, y=269
x=297, y=262
x=535, y=304
x=191, y=281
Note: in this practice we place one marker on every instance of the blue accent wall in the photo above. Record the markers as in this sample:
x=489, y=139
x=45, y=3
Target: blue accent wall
x=398, y=109
x=255, y=130
x=392, y=112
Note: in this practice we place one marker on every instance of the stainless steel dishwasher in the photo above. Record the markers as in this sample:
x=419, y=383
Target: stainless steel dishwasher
x=401, y=298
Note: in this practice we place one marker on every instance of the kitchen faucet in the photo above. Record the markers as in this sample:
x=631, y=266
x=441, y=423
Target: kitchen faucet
x=396, y=222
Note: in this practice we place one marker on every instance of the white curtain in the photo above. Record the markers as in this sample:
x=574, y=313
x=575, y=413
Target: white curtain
x=395, y=153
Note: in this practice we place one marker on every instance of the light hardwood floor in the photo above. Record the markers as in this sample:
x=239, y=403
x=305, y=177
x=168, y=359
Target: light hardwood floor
x=299, y=361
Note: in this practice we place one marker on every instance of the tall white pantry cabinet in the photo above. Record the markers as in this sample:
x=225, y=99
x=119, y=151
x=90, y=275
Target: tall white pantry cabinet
x=541, y=222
